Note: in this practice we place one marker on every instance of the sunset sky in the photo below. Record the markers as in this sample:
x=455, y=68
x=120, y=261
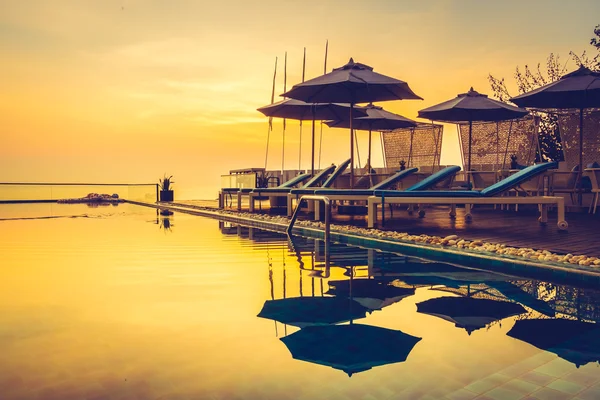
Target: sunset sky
x=125, y=91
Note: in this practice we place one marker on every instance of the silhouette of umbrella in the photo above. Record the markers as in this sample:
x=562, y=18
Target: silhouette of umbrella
x=306, y=311
x=300, y=110
x=579, y=89
x=377, y=119
x=351, y=348
x=472, y=107
x=370, y=293
x=575, y=341
x=469, y=313
x=352, y=83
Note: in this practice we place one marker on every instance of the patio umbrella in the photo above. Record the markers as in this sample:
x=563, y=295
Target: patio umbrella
x=306, y=311
x=300, y=110
x=377, y=119
x=579, y=89
x=352, y=83
x=350, y=348
x=469, y=313
x=472, y=107
x=370, y=293
x=575, y=341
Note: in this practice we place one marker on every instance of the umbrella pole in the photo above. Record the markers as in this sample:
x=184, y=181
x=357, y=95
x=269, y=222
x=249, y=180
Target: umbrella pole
x=469, y=158
x=351, y=149
x=312, y=164
x=369, y=156
x=579, y=186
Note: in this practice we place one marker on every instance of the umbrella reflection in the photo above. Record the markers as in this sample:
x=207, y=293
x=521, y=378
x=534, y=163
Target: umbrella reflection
x=469, y=313
x=372, y=294
x=350, y=348
x=575, y=341
x=307, y=311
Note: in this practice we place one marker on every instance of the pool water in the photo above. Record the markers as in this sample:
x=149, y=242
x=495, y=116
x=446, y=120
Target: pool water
x=121, y=303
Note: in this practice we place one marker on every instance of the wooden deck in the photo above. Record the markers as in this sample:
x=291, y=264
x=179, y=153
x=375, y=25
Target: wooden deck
x=509, y=227
x=512, y=228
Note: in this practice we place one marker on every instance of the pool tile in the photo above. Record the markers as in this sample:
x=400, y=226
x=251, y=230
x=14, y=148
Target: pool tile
x=592, y=393
x=583, y=377
x=528, y=364
x=557, y=367
x=487, y=383
x=538, y=378
x=520, y=386
x=461, y=394
x=550, y=394
x=566, y=386
x=501, y=393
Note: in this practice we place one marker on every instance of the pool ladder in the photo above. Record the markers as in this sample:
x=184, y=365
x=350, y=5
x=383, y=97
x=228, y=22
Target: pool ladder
x=327, y=202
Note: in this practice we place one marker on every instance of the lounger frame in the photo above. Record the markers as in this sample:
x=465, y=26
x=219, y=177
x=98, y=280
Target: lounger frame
x=542, y=201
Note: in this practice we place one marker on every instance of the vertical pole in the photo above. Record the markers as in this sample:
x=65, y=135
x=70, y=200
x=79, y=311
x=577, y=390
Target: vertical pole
x=369, y=156
x=351, y=149
x=469, y=158
x=284, y=90
x=300, y=145
x=579, y=186
x=312, y=153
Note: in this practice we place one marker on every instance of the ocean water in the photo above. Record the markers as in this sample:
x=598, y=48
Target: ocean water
x=117, y=302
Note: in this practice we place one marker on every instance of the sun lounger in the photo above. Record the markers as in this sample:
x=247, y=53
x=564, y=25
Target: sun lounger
x=321, y=178
x=490, y=195
x=297, y=180
x=363, y=194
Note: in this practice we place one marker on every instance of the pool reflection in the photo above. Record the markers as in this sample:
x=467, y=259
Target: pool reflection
x=472, y=299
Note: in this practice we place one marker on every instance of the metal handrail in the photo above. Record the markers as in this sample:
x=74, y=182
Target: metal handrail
x=327, y=202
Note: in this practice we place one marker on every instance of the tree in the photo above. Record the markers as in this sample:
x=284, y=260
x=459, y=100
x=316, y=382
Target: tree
x=528, y=79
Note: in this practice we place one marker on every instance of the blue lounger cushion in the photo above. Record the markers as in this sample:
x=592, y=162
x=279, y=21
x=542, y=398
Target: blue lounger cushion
x=318, y=178
x=287, y=184
x=338, y=171
x=295, y=181
x=429, y=193
x=398, y=176
x=345, y=192
x=435, y=178
x=311, y=190
x=492, y=190
x=313, y=181
x=518, y=178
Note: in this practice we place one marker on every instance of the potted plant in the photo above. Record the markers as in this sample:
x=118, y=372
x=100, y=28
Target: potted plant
x=166, y=193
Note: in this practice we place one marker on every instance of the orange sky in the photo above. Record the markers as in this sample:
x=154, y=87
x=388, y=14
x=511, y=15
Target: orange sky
x=124, y=91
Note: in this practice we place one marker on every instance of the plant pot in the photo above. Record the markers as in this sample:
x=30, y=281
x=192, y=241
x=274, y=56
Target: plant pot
x=166, y=195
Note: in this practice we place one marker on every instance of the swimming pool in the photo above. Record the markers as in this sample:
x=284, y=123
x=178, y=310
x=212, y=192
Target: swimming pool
x=117, y=302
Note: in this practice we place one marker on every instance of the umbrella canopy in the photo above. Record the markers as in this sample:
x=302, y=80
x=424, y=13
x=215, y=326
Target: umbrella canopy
x=579, y=89
x=370, y=293
x=575, y=341
x=352, y=83
x=469, y=313
x=377, y=119
x=472, y=107
x=300, y=110
x=350, y=348
x=306, y=311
